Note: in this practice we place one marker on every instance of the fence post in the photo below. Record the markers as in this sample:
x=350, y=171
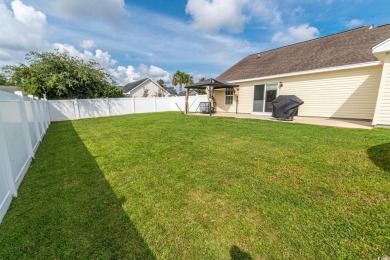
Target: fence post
x=39, y=114
x=108, y=107
x=26, y=132
x=7, y=162
x=133, y=105
x=34, y=112
x=77, y=108
x=155, y=104
x=42, y=106
x=43, y=111
x=47, y=111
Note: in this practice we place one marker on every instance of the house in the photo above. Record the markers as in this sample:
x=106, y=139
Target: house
x=344, y=75
x=145, y=88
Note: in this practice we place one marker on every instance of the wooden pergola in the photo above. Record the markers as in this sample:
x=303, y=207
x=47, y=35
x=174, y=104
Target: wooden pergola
x=209, y=85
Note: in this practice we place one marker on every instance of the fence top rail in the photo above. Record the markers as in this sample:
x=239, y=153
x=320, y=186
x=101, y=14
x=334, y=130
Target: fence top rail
x=125, y=98
x=5, y=96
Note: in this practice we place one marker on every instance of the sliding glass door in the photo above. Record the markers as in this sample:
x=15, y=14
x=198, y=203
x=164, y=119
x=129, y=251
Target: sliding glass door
x=258, y=98
x=264, y=94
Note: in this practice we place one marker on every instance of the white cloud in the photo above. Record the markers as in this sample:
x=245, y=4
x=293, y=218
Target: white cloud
x=22, y=29
x=111, y=10
x=87, y=44
x=121, y=74
x=232, y=15
x=294, y=34
x=154, y=72
x=214, y=15
x=125, y=75
x=265, y=11
x=103, y=58
x=354, y=23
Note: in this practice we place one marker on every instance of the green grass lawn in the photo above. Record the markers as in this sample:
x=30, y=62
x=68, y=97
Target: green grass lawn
x=169, y=186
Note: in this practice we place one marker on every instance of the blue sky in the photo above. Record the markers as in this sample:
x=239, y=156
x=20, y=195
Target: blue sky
x=154, y=38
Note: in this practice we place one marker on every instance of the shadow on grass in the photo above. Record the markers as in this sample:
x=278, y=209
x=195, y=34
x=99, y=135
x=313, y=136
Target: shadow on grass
x=237, y=254
x=67, y=209
x=380, y=155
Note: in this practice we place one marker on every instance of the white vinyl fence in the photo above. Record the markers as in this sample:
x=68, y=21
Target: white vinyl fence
x=62, y=110
x=23, y=123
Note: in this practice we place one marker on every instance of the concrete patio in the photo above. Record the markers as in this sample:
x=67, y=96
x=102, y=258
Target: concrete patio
x=327, y=122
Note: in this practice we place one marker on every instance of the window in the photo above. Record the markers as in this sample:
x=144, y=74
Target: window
x=229, y=96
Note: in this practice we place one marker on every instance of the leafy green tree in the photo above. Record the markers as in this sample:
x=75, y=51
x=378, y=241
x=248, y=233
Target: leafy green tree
x=61, y=76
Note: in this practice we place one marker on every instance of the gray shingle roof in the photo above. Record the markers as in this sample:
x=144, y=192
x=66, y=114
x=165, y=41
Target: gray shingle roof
x=345, y=48
x=133, y=85
x=171, y=91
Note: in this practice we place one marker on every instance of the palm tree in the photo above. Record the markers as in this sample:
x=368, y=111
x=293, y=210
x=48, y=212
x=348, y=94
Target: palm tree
x=189, y=80
x=179, y=78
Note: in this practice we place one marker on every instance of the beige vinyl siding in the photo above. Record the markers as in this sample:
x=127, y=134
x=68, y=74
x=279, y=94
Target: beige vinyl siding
x=219, y=96
x=382, y=116
x=350, y=93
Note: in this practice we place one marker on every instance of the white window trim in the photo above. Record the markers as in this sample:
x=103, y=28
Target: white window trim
x=232, y=95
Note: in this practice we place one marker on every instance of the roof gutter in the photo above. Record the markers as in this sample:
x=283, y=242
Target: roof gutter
x=299, y=73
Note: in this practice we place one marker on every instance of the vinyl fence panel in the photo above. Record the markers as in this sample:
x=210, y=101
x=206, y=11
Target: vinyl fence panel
x=62, y=110
x=23, y=121
x=120, y=106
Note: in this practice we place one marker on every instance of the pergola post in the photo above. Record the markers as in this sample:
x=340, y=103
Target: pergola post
x=186, y=105
x=210, y=98
x=235, y=92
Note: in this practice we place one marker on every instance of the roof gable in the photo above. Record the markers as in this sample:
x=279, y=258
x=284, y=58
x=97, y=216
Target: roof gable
x=381, y=49
x=129, y=87
x=345, y=48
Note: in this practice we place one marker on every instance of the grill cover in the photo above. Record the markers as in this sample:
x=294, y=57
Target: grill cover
x=285, y=106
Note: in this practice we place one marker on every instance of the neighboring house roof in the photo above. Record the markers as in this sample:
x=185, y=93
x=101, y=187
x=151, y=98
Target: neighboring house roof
x=129, y=87
x=171, y=91
x=345, y=48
